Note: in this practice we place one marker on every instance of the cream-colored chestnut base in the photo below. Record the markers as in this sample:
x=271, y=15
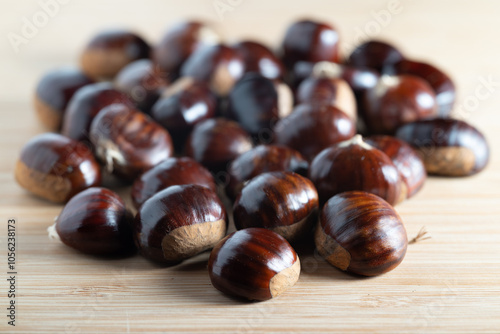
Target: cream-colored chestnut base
x=327, y=247
x=103, y=64
x=448, y=161
x=222, y=80
x=48, y=186
x=187, y=241
x=50, y=117
x=295, y=231
x=285, y=279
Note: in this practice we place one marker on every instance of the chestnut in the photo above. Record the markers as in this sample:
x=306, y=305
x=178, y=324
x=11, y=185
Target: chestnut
x=53, y=93
x=355, y=165
x=183, y=105
x=300, y=71
x=361, y=233
x=109, y=51
x=85, y=105
x=397, y=100
x=179, y=222
x=218, y=65
x=257, y=102
x=283, y=202
x=262, y=159
x=216, y=142
x=310, y=41
x=142, y=82
x=311, y=128
x=377, y=55
x=260, y=59
x=55, y=167
x=170, y=172
x=407, y=161
x=448, y=147
x=179, y=42
x=128, y=142
x=254, y=263
x=95, y=221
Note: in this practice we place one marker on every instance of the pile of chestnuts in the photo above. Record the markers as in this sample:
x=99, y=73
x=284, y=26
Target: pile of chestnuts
x=307, y=144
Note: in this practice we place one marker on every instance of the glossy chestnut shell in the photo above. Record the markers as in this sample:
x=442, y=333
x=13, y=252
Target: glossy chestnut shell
x=361, y=233
x=377, y=55
x=255, y=264
x=55, y=167
x=258, y=58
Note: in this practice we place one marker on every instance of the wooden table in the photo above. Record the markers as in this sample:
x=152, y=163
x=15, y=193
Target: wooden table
x=450, y=283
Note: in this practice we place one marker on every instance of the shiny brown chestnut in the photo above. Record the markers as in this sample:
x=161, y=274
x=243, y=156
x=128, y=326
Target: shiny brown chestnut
x=254, y=263
x=407, y=161
x=55, y=167
x=218, y=65
x=257, y=103
x=260, y=59
x=284, y=202
x=128, y=142
x=374, y=54
x=110, y=51
x=179, y=42
x=311, y=128
x=216, y=142
x=179, y=222
x=170, y=172
x=310, y=41
x=397, y=100
x=355, y=165
x=85, y=105
x=361, y=233
x=448, y=147
x=143, y=82
x=95, y=221
x=53, y=93
x=262, y=159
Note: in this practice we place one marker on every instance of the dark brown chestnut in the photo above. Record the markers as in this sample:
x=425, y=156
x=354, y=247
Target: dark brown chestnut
x=409, y=164
x=53, y=93
x=216, y=142
x=95, y=221
x=300, y=71
x=255, y=264
x=218, y=65
x=170, y=172
x=374, y=54
x=179, y=222
x=85, y=105
x=260, y=59
x=283, y=202
x=448, y=147
x=142, y=82
x=110, y=51
x=262, y=159
x=355, y=165
x=55, y=167
x=310, y=41
x=257, y=103
x=179, y=42
x=361, y=233
x=397, y=100
x=311, y=128
x=128, y=142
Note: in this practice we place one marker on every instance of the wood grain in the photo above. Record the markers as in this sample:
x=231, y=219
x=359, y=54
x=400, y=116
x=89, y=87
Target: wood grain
x=449, y=283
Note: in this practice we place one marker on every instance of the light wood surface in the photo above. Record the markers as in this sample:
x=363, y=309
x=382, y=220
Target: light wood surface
x=450, y=283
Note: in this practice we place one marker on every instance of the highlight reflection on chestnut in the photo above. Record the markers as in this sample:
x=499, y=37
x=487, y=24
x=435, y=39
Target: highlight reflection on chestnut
x=258, y=58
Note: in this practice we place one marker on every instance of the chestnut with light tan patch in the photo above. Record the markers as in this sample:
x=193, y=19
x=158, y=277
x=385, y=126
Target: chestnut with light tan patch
x=50, y=117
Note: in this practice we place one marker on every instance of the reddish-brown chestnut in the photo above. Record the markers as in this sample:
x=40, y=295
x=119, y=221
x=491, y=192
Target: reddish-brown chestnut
x=55, y=167
x=95, y=221
x=361, y=233
x=262, y=159
x=355, y=165
x=254, y=263
x=283, y=202
x=170, y=172
x=311, y=128
x=110, y=51
x=258, y=58
x=374, y=54
x=179, y=222
x=53, y=93
x=448, y=147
